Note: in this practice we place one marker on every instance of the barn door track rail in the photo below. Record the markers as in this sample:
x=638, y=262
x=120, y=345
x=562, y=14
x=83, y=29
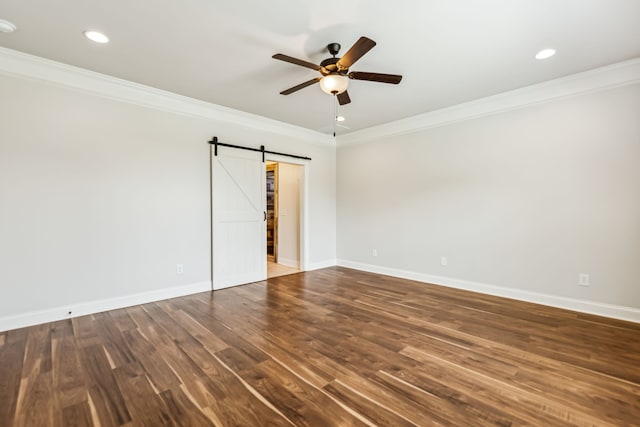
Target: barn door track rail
x=214, y=141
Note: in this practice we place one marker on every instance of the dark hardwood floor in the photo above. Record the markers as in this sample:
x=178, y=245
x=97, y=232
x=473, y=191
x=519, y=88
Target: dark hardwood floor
x=329, y=347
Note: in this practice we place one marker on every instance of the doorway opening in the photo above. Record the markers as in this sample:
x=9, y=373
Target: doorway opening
x=283, y=203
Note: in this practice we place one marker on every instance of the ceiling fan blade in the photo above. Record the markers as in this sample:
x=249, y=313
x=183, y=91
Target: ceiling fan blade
x=296, y=61
x=343, y=98
x=376, y=77
x=300, y=86
x=359, y=48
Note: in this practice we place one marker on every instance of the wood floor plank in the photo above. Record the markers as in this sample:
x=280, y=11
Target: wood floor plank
x=183, y=411
x=112, y=340
x=69, y=388
x=144, y=405
x=78, y=415
x=185, y=369
x=302, y=403
x=329, y=347
x=84, y=331
x=35, y=406
x=35, y=398
x=207, y=338
x=154, y=365
x=11, y=359
x=62, y=329
x=104, y=393
x=376, y=412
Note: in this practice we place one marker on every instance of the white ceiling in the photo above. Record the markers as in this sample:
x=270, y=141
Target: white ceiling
x=449, y=51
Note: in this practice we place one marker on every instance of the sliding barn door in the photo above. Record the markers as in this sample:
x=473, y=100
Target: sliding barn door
x=238, y=215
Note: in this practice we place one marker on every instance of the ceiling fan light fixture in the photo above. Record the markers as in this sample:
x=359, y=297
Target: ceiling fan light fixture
x=334, y=84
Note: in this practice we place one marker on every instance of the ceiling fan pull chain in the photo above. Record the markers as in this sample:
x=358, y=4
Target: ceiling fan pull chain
x=335, y=113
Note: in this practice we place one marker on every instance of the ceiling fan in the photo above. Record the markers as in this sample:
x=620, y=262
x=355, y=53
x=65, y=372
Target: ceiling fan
x=335, y=71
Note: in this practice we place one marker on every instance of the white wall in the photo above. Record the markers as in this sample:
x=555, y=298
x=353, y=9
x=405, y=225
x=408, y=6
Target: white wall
x=289, y=214
x=523, y=200
x=100, y=199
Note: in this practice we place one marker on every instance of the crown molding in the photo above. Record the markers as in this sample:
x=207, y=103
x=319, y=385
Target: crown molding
x=32, y=67
x=608, y=77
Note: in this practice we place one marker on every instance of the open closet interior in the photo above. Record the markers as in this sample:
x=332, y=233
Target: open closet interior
x=283, y=218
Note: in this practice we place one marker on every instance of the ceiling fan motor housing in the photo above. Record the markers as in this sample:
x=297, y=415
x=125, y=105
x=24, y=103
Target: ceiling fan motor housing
x=330, y=64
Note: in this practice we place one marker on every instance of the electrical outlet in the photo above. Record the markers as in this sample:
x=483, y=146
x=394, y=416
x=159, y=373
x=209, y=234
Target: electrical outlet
x=443, y=260
x=583, y=279
x=179, y=268
x=374, y=252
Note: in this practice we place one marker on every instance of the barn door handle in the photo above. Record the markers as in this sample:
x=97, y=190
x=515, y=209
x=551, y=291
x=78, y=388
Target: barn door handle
x=265, y=215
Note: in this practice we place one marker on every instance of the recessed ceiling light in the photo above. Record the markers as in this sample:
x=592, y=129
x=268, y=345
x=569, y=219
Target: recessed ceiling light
x=6, y=26
x=545, y=53
x=339, y=119
x=96, y=37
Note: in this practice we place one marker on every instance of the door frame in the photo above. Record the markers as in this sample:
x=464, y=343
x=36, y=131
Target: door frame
x=303, y=207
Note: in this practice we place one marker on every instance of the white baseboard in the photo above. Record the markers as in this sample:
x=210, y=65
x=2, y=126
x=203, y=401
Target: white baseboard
x=289, y=262
x=591, y=307
x=321, y=264
x=82, y=309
